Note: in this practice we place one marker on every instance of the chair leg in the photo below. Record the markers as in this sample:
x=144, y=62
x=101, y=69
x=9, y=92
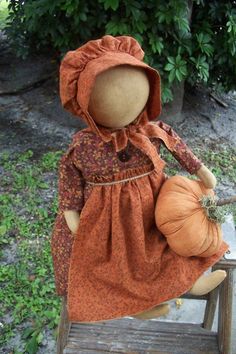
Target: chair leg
x=210, y=309
x=63, y=328
x=225, y=313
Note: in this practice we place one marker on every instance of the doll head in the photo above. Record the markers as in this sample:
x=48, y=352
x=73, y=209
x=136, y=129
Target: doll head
x=118, y=96
x=107, y=84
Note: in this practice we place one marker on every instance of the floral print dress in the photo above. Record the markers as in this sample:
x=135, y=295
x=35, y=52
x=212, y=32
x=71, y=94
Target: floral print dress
x=118, y=263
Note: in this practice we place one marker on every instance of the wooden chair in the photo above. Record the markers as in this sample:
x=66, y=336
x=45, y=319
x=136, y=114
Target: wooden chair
x=133, y=336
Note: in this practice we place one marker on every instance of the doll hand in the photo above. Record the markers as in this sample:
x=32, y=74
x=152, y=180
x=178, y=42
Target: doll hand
x=207, y=177
x=72, y=220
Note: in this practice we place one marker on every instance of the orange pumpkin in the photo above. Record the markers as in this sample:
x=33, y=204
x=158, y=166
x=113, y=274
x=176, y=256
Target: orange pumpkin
x=182, y=219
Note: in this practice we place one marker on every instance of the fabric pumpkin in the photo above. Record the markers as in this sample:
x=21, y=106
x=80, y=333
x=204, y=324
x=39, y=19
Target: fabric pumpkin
x=183, y=221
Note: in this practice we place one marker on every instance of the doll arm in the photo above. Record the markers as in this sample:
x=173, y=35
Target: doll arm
x=72, y=220
x=71, y=198
x=207, y=177
x=188, y=160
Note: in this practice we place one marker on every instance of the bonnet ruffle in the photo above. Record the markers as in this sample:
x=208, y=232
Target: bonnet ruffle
x=77, y=77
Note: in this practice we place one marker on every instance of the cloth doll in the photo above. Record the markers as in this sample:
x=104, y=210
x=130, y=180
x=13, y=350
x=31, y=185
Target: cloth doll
x=110, y=260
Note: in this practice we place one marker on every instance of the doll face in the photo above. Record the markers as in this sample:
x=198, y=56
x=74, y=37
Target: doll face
x=118, y=96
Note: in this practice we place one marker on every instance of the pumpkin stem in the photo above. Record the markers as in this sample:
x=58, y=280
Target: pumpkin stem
x=226, y=201
x=213, y=210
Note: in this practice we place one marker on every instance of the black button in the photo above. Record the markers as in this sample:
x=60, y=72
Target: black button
x=123, y=156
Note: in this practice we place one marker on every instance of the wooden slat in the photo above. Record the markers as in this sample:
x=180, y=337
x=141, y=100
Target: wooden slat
x=210, y=309
x=195, y=297
x=225, y=313
x=225, y=264
x=182, y=346
x=133, y=336
x=86, y=351
x=128, y=323
x=63, y=328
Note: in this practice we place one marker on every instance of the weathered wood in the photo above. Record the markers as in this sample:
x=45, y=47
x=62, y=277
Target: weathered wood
x=63, y=328
x=88, y=351
x=133, y=324
x=195, y=297
x=225, y=313
x=130, y=335
x=226, y=264
x=210, y=309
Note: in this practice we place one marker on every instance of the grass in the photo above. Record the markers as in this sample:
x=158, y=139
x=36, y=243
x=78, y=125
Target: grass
x=3, y=13
x=222, y=163
x=28, y=206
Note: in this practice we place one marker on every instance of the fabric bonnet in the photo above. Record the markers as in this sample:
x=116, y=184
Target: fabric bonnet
x=80, y=67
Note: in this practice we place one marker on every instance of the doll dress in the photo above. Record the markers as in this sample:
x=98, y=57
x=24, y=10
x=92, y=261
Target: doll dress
x=120, y=263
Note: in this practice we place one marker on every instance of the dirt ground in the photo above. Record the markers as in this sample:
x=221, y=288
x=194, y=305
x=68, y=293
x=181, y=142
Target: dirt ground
x=31, y=109
x=31, y=116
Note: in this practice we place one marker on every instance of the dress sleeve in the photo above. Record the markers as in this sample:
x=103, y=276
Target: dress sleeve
x=71, y=184
x=181, y=151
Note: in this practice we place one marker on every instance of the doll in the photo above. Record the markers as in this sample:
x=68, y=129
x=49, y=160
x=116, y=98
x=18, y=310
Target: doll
x=110, y=260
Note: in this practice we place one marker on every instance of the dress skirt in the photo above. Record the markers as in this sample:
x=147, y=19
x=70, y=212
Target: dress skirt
x=120, y=263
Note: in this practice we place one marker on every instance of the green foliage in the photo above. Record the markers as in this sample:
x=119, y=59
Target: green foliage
x=49, y=161
x=177, y=68
x=203, y=53
x=3, y=13
x=221, y=161
x=28, y=206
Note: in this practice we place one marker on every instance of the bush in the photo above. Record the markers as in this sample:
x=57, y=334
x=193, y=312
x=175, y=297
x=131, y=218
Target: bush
x=203, y=53
x=3, y=13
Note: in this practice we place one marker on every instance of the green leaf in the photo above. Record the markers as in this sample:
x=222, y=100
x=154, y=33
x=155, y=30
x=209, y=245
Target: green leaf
x=183, y=70
x=169, y=67
x=182, y=24
x=156, y=43
x=136, y=13
x=178, y=75
x=27, y=332
x=203, y=43
x=166, y=95
x=141, y=26
x=171, y=76
x=113, y=4
x=39, y=338
x=83, y=16
x=43, y=185
x=208, y=49
x=171, y=60
x=32, y=345
x=138, y=37
x=178, y=60
x=3, y=230
x=159, y=47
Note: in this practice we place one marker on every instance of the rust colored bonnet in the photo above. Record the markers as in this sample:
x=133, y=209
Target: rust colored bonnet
x=80, y=67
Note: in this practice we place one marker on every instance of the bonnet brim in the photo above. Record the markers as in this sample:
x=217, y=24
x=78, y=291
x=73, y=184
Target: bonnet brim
x=80, y=67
